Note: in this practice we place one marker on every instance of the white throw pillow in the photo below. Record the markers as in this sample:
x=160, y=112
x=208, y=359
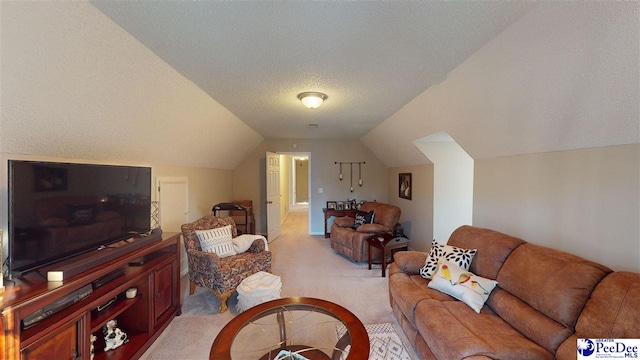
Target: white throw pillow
x=462, y=257
x=463, y=285
x=217, y=241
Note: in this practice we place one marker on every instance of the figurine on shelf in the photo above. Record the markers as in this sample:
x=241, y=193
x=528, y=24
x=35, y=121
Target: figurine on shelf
x=113, y=336
x=93, y=339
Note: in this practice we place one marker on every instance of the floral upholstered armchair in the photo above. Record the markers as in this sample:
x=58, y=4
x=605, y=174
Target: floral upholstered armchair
x=221, y=274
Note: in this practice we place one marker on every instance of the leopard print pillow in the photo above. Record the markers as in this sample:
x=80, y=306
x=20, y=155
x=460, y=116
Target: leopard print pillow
x=461, y=257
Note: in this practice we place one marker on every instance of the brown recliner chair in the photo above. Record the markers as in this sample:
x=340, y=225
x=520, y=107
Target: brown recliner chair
x=353, y=242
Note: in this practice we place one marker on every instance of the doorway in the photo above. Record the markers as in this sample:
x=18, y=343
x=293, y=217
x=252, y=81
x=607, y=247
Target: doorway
x=299, y=182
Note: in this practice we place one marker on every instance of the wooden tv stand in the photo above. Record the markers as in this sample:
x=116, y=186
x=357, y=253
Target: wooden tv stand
x=67, y=333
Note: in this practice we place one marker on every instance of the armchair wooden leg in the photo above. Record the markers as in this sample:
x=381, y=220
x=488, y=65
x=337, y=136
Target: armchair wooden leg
x=223, y=298
x=192, y=287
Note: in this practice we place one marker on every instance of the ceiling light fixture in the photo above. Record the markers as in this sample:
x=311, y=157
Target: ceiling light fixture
x=312, y=99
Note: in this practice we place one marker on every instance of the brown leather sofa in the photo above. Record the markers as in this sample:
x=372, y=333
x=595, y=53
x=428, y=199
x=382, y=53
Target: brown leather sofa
x=545, y=300
x=353, y=242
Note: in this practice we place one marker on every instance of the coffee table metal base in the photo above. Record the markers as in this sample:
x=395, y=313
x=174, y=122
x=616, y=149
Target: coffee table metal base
x=311, y=354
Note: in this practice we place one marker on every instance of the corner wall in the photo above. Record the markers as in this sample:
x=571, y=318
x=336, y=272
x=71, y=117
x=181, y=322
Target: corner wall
x=417, y=213
x=586, y=202
x=452, y=184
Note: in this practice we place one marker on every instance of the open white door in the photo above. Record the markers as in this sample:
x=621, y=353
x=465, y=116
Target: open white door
x=273, y=195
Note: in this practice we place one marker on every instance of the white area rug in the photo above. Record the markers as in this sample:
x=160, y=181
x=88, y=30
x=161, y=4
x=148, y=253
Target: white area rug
x=385, y=344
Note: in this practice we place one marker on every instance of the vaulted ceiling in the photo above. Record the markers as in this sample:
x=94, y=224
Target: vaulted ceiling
x=370, y=58
x=183, y=82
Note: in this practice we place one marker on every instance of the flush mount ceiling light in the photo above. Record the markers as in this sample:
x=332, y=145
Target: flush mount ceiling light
x=312, y=99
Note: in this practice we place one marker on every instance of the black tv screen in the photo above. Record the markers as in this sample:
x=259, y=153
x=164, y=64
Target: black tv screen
x=59, y=210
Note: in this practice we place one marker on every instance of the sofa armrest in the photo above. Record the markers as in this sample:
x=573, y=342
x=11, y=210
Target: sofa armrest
x=410, y=262
x=344, y=221
x=257, y=246
x=373, y=229
x=204, y=262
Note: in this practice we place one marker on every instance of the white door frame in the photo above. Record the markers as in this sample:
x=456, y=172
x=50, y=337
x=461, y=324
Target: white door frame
x=309, y=206
x=161, y=181
x=272, y=177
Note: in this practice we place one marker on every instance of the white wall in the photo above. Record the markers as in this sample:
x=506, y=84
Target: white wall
x=586, y=202
x=564, y=76
x=76, y=85
x=452, y=184
x=248, y=177
x=417, y=213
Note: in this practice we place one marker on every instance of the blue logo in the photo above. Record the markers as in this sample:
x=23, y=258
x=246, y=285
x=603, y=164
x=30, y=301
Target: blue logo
x=586, y=347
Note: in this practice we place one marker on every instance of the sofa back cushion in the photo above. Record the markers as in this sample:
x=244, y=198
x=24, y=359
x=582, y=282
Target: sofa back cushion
x=612, y=311
x=493, y=248
x=384, y=214
x=544, y=292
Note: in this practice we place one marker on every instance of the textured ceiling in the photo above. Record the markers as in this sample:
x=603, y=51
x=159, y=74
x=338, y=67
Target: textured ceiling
x=370, y=58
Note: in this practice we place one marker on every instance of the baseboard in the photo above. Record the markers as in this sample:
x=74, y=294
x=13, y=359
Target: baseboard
x=316, y=233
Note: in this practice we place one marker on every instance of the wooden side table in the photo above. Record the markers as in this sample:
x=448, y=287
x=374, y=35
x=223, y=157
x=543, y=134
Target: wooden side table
x=337, y=213
x=389, y=245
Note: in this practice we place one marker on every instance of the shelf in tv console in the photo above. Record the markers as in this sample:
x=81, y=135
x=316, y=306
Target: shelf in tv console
x=57, y=306
x=76, y=265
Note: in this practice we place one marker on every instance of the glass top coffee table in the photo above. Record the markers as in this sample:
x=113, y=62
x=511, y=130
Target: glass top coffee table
x=293, y=329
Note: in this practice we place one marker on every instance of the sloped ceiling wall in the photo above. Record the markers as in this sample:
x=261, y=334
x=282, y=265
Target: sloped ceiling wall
x=75, y=85
x=564, y=76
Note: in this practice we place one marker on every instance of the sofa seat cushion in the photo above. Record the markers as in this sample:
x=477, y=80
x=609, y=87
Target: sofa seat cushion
x=409, y=290
x=454, y=331
x=234, y=269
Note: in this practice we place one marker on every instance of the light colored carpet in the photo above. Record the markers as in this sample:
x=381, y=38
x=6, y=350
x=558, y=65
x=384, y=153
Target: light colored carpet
x=308, y=267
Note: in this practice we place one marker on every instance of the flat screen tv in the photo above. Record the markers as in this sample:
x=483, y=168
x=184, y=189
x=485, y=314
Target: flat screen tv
x=61, y=210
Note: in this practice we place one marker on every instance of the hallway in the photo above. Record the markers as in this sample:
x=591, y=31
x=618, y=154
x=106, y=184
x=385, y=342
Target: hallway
x=296, y=223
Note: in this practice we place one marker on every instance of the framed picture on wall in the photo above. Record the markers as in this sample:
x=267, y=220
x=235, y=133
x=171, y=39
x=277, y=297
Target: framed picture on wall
x=331, y=205
x=404, y=185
